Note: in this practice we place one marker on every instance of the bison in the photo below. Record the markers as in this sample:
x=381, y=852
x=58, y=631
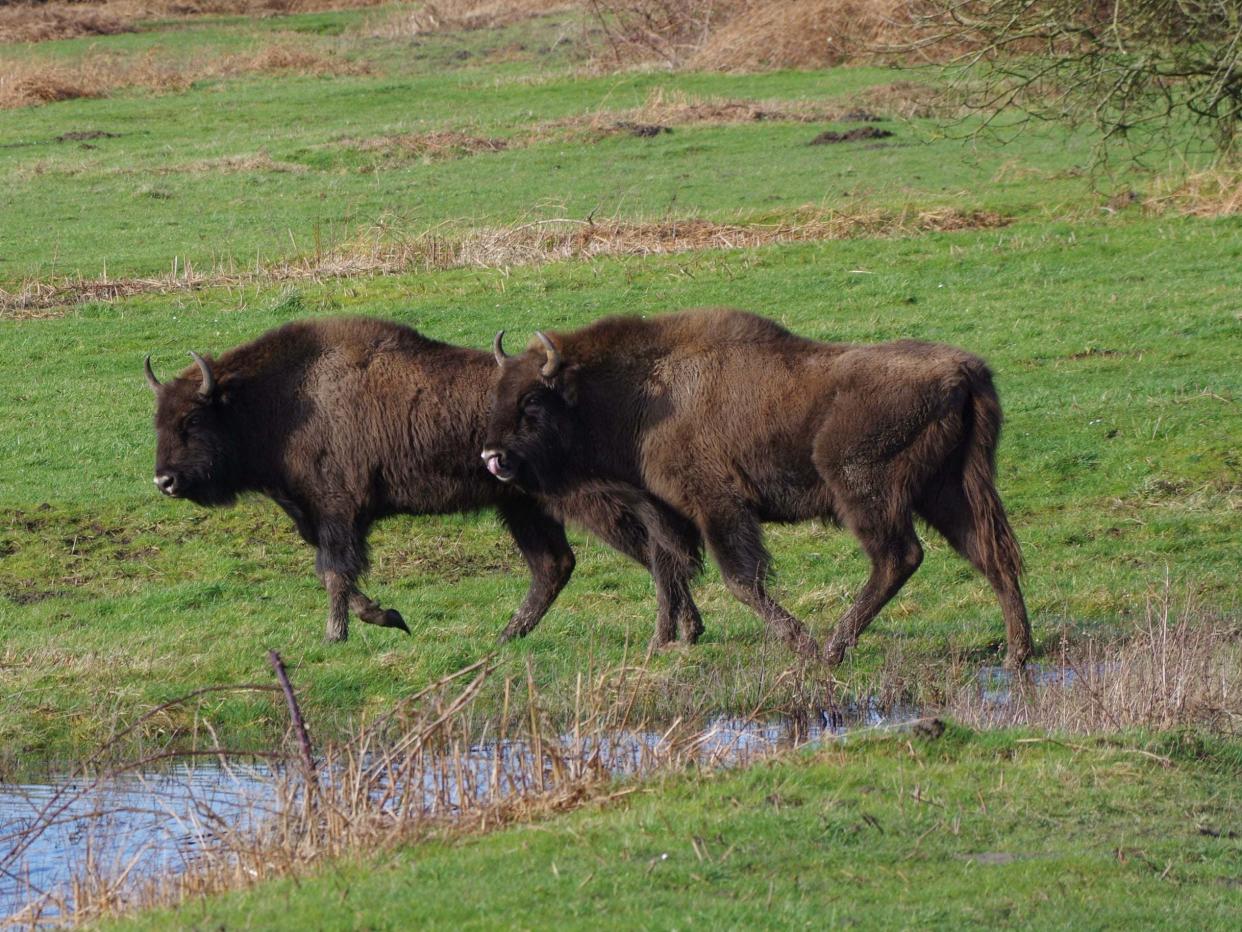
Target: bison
x=731, y=420
x=343, y=422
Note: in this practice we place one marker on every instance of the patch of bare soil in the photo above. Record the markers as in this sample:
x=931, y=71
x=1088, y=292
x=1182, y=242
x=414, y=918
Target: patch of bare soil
x=549, y=240
x=86, y=135
x=829, y=137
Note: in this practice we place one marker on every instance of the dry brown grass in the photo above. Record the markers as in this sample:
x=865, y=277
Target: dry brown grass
x=451, y=15
x=41, y=22
x=427, y=769
x=26, y=23
x=677, y=108
x=430, y=146
x=1176, y=669
x=759, y=35
x=1215, y=192
x=661, y=110
x=384, y=252
x=31, y=83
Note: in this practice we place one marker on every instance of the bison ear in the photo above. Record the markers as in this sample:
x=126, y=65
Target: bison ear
x=566, y=384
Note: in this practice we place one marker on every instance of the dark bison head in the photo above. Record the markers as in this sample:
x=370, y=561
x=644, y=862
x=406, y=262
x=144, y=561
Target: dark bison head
x=194, y=454
x=530, y=434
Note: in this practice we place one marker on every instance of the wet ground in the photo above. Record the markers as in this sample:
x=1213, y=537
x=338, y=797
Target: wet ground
x=131, y=826
x=137, y=825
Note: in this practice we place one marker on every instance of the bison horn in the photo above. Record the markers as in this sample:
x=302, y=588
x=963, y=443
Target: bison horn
x=209, y=380
x=553, y=364
x=498, y=348
x=151, y=379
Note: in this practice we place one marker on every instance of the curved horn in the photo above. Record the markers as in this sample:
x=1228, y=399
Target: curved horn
x=554, y=356
x=498, y=348
x=209, y=380
x=151, y=379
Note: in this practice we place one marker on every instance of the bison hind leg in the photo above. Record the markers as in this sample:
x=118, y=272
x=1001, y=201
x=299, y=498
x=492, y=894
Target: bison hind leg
x=948, y=509
x=895, y=554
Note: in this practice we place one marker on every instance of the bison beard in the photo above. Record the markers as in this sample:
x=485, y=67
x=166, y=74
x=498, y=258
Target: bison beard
x=730, y=420
x=344, y=422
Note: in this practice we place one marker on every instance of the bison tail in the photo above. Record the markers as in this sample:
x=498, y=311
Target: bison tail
x=994, y=538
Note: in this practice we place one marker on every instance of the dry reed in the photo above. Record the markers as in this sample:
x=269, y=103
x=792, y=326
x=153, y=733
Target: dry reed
x=1215, y=192
x=432, y=767
x=1176, y=669
x=384, y=252
x=428, y=768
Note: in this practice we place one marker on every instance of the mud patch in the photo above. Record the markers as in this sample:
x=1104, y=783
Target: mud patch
x=86, y=135
x=642, y=130
x=829, y=137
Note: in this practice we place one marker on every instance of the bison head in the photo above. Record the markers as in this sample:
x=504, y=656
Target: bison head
x=193, y=450
x=530, y=433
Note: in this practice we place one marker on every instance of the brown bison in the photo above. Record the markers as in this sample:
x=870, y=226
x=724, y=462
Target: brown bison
x=732, y=420
x=343, y=422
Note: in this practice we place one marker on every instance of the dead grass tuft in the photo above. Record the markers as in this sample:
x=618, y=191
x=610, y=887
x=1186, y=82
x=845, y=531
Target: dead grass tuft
x=35, y=21
x=383, y=252
x=25, y=23
x=31, y=83
x=1216, y=192
x=431, y=146
x=1175, y=670
x=759, y=35
x=450, y=15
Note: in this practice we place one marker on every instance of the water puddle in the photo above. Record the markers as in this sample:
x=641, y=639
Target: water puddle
x=131, y=827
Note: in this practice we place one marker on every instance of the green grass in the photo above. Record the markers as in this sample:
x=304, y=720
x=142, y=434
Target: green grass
x=1118, y=467
x=971, y=831
x=1112, y=335
x=129, y=204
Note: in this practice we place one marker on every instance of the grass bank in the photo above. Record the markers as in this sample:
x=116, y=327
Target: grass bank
x=971, y=830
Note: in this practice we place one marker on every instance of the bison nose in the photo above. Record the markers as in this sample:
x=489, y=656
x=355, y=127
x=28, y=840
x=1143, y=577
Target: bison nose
x=166, y=483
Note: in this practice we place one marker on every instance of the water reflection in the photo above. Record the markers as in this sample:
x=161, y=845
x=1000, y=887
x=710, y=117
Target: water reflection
x=137, y=825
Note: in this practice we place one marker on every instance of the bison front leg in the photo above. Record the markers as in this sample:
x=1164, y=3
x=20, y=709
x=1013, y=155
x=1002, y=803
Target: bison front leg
x=667, y=545
x=370, y=612
x=547, y=553
x=736, y=541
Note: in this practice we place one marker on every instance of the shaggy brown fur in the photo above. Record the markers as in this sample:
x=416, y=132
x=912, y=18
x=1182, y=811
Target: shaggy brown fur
x=731, y=420
x=343, y=422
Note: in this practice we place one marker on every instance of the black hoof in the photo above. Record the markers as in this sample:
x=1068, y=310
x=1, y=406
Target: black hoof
x=393, y=619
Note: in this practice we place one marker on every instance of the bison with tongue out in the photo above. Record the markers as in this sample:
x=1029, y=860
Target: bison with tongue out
x=344, y=422
x=731, y=420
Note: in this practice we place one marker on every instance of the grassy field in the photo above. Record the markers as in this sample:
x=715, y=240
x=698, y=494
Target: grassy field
x=204, y=179
x=1113, y=334
x=970, y=831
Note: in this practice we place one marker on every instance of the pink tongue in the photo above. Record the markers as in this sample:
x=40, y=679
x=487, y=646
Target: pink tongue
x=493, y=465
